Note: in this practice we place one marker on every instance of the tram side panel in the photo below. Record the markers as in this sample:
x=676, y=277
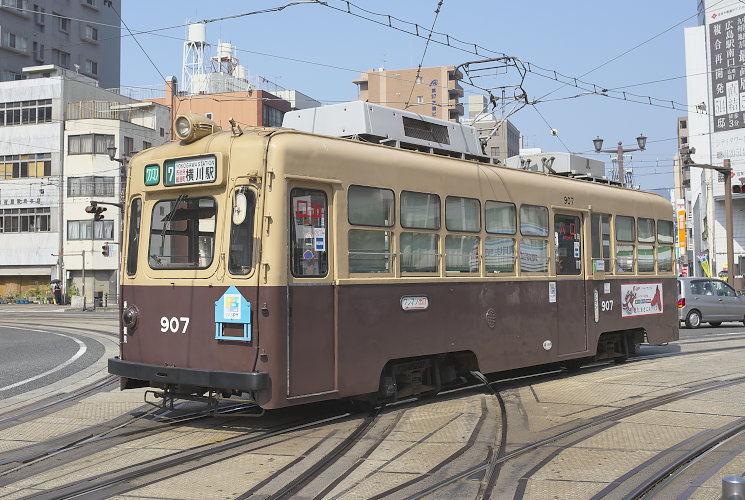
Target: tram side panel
x=504, y=324
x=629, y=303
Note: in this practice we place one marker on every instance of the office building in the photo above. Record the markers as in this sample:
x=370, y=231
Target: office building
x=429, y=91
x=56, y=127
x=81, y=35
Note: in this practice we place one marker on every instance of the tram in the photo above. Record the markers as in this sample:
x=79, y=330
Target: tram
x=290, y=266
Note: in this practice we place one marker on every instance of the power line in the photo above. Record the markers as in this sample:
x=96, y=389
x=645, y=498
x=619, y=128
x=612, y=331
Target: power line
x=449, y=41
x=633, y=48
x=426, y=44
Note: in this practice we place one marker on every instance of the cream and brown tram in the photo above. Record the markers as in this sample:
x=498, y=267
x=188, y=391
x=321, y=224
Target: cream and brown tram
x=291, y=267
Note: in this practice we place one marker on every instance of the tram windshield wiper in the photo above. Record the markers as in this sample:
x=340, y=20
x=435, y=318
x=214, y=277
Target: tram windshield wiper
x=170, y=216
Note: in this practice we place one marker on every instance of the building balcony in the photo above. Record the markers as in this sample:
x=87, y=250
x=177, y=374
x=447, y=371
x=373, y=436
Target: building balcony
x=455, y=92
x=455, y=111
x=139, y=113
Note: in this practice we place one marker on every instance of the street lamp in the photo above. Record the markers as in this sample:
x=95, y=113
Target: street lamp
x=641, y=141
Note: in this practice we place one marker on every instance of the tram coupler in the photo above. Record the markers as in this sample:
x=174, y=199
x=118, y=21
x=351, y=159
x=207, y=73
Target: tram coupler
x=212, y=400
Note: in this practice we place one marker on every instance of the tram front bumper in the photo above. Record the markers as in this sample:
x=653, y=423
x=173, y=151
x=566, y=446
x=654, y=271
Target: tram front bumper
x=210, y=379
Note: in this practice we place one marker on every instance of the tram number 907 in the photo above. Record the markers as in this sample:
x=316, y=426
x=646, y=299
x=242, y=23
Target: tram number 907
x=606, y=305
x=174, y=324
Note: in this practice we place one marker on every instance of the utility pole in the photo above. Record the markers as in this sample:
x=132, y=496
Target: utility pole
x=122, y=202
x=726, y=171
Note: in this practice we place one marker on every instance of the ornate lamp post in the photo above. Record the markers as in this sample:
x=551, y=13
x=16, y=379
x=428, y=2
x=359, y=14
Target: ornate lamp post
x=641, y=141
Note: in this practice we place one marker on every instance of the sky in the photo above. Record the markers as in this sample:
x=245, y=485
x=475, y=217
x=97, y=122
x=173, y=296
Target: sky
x=634, y=46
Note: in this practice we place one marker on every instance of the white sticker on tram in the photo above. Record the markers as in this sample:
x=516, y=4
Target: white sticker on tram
x=81, y=350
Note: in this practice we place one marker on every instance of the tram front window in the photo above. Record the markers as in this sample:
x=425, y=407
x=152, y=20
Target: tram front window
x=182, y=233
x=241, y=232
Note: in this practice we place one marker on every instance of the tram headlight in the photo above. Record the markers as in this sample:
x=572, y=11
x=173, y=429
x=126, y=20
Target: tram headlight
x=130, y=317
x=190, y=126
x=183, y=127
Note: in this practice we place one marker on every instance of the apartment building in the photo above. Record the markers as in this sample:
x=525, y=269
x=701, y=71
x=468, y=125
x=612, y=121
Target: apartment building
x=79, y=35
x=428, y=91
x=56, y=127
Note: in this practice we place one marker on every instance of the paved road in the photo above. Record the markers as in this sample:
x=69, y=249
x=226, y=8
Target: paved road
x=41, y=347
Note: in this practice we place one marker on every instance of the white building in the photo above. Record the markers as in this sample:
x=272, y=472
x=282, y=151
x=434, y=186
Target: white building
x=55, y=128
x=502, y=143
x=82, y=36
x=715, y=84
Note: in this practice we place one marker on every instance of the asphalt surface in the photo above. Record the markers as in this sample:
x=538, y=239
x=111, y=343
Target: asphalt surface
x=35, y=356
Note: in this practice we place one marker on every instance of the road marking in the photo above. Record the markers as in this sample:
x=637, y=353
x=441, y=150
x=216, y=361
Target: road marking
x=77, y=355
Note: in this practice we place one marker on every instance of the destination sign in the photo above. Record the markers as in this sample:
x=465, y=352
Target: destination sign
x=198, y=170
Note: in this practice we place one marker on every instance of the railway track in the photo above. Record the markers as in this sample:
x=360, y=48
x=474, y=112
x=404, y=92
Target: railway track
x=144, y=473
x=340, y=458
x=487, y=472
x=57, y=401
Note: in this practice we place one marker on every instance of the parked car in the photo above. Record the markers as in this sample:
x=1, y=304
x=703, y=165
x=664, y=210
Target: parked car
x=708, y=300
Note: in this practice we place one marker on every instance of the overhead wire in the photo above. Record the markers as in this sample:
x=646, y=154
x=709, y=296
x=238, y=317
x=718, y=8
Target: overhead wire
x=426, y=44
x=449, y=41
x=551, y=128
x=475, y=50
x=634, y=47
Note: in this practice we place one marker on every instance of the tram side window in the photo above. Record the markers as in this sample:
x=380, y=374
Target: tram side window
x=645, y=250
x=370, y=249
x=600, y=235
x=370, y=206
x=625, y=238
x=567, y=230
x=665, y=240
x=133, y=243
x=241, y=232
x=533, y=250
x=308, y=233
x=499, y=251
x=462, y=251
x=182, y=233
x=420, y=210
x=419, y=250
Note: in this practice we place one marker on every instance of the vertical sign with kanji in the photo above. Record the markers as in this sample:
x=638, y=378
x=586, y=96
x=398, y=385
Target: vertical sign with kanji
x=727, y=52
x=725, y=36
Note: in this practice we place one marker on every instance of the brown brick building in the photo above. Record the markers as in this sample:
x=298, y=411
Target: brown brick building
x=435, y=92
x=248, y=108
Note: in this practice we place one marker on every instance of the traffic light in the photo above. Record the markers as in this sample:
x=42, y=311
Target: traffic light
x=105, y=250
x=97, y=211
x=685, y=155
x=739, y=188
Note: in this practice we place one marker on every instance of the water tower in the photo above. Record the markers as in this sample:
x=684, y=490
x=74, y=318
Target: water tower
x=193, y=70
x=225, y=61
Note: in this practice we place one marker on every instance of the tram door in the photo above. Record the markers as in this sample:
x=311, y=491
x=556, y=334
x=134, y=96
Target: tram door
x=311, y=311
x=570, y=283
